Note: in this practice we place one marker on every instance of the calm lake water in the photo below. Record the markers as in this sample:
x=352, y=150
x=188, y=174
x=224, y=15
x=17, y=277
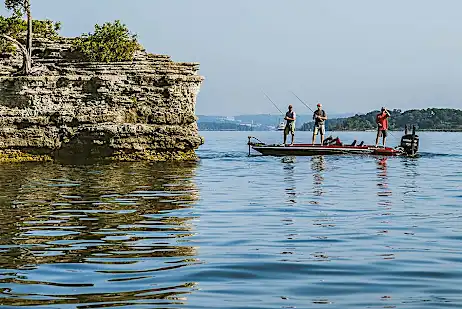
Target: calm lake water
x=234, y=231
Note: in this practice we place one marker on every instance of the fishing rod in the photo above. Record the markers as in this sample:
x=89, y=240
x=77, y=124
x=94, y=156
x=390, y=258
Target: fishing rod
x=273, y=103
x=392, y=134
x=302, y=101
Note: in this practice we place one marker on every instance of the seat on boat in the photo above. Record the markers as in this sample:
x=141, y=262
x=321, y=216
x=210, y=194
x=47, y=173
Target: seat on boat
x=330, y=141
x=327, y=140
x=362, y=143
x=354, y=143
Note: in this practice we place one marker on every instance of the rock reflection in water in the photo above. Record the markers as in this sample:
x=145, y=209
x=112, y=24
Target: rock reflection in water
x=96, y=234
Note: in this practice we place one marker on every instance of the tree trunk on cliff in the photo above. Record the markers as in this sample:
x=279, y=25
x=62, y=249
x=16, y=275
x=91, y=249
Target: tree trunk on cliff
x=25, y=8
x=29, y=26
x=27, y=62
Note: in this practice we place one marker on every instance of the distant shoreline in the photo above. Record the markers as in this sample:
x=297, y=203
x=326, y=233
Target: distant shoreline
x=430, y=120
x=426, y=120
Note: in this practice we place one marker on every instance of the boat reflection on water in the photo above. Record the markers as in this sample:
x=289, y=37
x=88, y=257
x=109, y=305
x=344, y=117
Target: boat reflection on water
x=105, y=238
x=411, y=186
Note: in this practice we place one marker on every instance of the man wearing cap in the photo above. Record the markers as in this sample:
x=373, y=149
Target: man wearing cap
x=382, y=123
x=319, y=117
x=290, y=124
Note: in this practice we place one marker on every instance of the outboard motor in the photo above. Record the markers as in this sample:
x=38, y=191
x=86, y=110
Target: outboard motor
x=410, y=142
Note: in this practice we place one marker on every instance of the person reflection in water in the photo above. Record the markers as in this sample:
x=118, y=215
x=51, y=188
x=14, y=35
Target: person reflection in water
x=382, y=177
x=318, y=166
x=289, y=168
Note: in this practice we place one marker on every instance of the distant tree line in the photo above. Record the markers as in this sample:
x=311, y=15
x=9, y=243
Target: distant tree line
x=222, y=126
x=431, y=119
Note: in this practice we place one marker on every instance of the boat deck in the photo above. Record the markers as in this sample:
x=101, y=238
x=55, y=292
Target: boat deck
x=317, y=149
x=408, y=147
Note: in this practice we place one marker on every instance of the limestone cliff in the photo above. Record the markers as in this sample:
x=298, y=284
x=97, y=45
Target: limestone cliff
x=139, y=110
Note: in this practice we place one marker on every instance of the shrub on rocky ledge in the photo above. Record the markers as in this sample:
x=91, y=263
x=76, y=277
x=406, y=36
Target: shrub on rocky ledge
x=111, y=42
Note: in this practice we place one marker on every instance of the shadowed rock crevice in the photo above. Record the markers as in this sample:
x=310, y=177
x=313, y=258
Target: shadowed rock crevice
x=138, y=110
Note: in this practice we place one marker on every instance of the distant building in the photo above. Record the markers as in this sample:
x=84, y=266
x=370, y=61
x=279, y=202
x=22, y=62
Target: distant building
x=226, y=119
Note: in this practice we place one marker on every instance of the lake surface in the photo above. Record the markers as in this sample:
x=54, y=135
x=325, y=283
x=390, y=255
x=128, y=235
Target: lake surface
x=233, y=231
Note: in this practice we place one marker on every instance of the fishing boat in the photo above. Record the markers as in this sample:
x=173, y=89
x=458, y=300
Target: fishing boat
x=408, y=147
x=281, y=126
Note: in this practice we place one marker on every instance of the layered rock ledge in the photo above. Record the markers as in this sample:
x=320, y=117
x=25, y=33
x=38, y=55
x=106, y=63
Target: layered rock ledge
x=139, y=110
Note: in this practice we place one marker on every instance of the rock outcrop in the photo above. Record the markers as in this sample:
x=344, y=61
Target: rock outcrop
x=139, y=110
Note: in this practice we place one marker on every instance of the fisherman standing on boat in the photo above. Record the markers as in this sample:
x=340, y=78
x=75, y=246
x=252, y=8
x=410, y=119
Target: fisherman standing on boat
x=382, y=123
x=319, y=117
x=290, y=124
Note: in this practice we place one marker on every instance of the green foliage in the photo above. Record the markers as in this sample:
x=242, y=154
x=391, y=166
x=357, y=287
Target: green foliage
x=12, y=26
x=111, y=42
x=15, y=27
x=16, y=4
x=425, y=119
x=46, y=28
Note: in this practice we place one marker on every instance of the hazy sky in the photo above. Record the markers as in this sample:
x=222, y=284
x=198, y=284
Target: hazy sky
x=351, y=55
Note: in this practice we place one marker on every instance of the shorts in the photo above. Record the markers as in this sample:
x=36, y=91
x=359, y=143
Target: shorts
x=290, y=127
x=383, y=133
x=319, y=128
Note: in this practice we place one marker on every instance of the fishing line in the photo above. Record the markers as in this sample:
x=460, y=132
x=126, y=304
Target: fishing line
x=302, y=102
x=273, y=103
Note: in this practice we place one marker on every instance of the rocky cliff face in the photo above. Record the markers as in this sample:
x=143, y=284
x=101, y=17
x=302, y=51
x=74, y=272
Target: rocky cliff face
x=140, y=110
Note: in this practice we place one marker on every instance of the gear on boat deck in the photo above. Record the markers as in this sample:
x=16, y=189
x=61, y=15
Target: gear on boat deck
x=408, y=147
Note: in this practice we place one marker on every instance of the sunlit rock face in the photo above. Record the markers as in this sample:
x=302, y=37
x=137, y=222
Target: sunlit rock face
x=69, y=109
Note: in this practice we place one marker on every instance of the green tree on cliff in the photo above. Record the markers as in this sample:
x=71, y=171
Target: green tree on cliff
x=111, y=42
x=22, y=6
x=15, y=32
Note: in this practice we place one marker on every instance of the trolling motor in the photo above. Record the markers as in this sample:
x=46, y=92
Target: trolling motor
x=410, y=142
x=250, y=143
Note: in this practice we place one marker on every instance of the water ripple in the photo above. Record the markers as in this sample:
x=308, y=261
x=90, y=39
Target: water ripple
x=108, y=235
x=233, y=231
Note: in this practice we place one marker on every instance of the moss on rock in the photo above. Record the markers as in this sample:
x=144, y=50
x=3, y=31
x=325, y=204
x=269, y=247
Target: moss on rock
x=14, y=156
x=156, y=156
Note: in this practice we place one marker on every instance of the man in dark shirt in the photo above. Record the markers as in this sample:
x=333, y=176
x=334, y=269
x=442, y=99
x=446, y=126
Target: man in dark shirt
x=290, y=124
x=319, y=117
